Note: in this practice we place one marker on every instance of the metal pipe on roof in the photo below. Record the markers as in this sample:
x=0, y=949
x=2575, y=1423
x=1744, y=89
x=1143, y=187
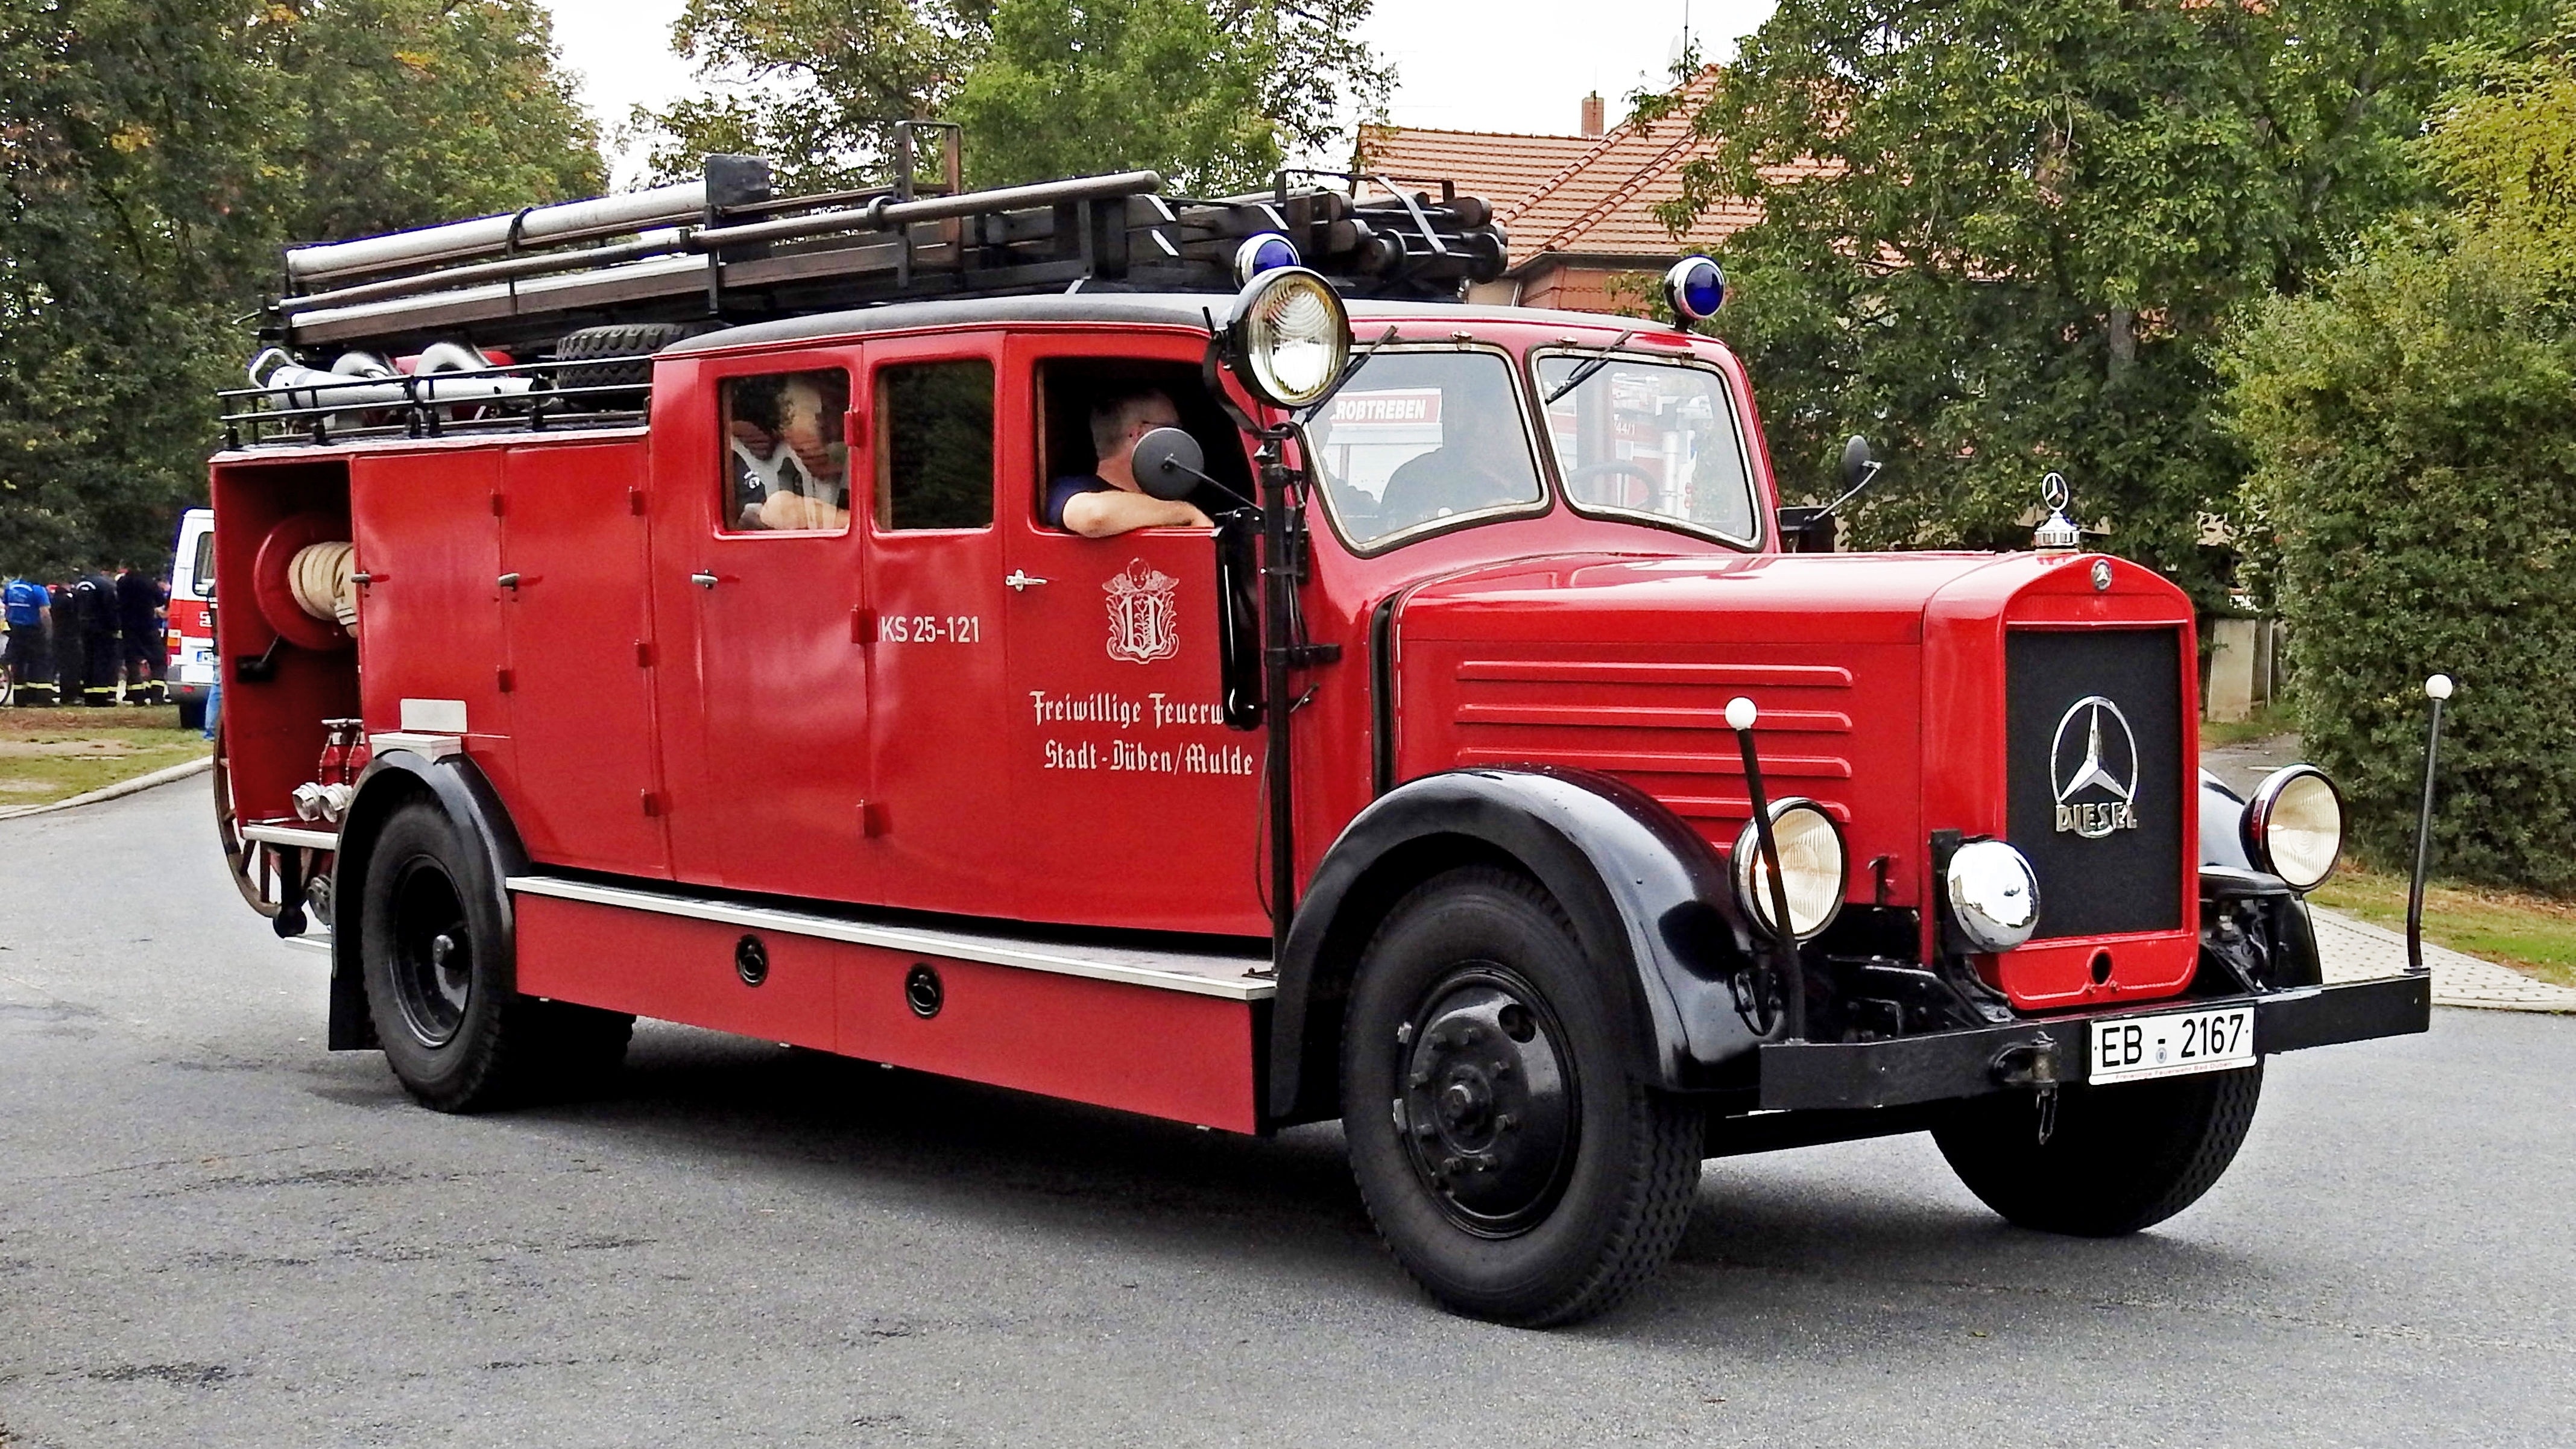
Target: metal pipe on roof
x=882, y=215
x=543, y=225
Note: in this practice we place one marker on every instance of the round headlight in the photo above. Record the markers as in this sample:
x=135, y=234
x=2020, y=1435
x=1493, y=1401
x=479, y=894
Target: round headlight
x=1994, y=895
x=2294, y=827
x=1289, y=336
x=1813, y=865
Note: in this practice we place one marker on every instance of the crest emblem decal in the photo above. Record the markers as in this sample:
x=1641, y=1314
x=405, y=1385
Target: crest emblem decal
x=1143, y=623
x=2093, y=769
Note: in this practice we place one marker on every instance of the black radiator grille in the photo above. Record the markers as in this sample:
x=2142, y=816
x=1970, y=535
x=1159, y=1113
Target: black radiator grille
x=2096, y=777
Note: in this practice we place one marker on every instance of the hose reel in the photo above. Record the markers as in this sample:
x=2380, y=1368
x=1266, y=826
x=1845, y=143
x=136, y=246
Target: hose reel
x=304, y=581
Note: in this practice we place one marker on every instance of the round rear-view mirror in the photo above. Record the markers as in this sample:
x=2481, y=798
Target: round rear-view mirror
x=1856, y=460
x=1168, y=463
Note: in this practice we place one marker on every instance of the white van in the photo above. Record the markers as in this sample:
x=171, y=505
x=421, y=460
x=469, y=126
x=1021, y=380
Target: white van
x=191, y=672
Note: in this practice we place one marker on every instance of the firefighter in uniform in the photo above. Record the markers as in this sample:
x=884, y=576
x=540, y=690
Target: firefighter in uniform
x=71, y=655
x=94, y=599
x=139, y=609
x=31, y=643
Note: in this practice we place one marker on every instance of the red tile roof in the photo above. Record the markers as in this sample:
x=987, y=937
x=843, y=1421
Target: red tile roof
x=1589, y=195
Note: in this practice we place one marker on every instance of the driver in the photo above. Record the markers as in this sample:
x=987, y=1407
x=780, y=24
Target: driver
x=790, y=470
x=1109, y=501
x=1481, y=461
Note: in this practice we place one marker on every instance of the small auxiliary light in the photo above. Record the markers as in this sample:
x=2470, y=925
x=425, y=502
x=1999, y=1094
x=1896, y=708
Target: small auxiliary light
x=1694, y=289
x=1265, y=252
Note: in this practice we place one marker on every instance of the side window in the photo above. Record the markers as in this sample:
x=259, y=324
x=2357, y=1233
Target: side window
x=785, y=466
x=934, y=424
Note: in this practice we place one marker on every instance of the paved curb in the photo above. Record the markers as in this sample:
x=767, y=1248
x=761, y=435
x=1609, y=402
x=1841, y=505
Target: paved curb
x=116, y=791
x=2355, y=950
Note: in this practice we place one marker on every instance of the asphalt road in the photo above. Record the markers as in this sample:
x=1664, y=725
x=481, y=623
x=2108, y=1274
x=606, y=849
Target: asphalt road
x=212, y=1232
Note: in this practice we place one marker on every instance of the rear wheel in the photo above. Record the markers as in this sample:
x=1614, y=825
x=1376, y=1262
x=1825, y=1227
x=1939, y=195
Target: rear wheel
x=192, y=714
x=441, y=981
x=2118, y=1158
x=1506, y=1155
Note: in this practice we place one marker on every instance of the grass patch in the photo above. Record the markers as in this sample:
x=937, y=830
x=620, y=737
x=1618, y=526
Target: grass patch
x=2533, y=934
x=2260, y=725
x=53, y=754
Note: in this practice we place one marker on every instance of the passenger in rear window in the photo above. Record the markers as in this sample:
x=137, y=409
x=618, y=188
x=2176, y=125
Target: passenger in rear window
x=789, y=467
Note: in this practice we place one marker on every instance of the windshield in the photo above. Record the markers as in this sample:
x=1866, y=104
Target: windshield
x=1423, y=436
x=1649, y=439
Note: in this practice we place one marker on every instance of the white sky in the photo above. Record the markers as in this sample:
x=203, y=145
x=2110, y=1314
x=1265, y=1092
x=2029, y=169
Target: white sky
x=1524, y=66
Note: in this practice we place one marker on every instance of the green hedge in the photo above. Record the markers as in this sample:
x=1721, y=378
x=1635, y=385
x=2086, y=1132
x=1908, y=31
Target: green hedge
x=2413, y=433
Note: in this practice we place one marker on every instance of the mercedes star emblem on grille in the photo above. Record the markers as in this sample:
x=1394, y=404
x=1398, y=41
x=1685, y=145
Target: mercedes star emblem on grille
x=2093, y=788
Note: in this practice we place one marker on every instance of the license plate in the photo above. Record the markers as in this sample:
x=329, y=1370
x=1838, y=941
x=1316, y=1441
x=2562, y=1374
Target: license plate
x=2138, y=1048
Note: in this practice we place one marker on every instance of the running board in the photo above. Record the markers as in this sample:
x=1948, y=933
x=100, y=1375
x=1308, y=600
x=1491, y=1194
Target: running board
x=1230, y=977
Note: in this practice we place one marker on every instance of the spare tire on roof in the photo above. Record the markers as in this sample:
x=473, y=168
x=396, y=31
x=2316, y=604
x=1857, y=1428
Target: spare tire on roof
x=633, y=343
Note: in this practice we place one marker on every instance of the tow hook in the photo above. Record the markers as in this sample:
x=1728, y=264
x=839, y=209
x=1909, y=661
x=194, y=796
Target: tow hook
x=2034, y=1064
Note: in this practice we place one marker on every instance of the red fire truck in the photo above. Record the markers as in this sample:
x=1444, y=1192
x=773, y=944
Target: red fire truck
x=650, y=607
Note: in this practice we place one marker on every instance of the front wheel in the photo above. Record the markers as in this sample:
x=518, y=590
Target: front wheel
x=2118, y=1159
x=1508, y=1157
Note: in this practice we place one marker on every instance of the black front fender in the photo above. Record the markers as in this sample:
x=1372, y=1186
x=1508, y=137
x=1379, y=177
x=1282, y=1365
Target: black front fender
x=1647, y=897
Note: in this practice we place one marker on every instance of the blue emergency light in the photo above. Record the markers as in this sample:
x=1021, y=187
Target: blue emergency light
x=1694, y=288
x=1265, y=252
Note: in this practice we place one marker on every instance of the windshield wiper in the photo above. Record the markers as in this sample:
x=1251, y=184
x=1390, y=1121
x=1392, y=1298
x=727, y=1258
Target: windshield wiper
x=1583, y=371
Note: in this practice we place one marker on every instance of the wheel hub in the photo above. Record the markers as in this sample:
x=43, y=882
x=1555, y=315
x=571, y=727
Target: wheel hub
x=1487, y=1114
x=433, y=954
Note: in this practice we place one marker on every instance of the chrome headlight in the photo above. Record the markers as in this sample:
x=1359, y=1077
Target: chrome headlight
x=2294, y=827
x=1288, y=337
x=1813, y=866
x=1994, y=895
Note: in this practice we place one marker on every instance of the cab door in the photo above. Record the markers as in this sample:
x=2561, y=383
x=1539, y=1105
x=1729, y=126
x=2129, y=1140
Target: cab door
x=943, y=836
x=759, y=654
x=1135, y=805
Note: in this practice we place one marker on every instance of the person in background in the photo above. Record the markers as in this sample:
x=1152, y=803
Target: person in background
x=71, y=647
x=140, y=608
x=94, y=600
x=30, y=611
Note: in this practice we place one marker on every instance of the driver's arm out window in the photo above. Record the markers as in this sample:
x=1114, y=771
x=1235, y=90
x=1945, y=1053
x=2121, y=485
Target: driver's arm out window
x=786, y=467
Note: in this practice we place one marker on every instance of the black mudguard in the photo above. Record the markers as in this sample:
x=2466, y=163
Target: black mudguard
x=1647, y=897
x=393, y=777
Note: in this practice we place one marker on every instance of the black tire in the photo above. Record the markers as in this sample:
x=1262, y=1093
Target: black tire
x=2120, y=1158
x=192, y=714
x=441, y=979
x=1504, y=1197
x=636, y=342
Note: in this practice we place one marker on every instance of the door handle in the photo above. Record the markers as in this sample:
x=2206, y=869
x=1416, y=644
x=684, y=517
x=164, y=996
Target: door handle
x=703, y=579
x=507, y=581
x=1018, y=580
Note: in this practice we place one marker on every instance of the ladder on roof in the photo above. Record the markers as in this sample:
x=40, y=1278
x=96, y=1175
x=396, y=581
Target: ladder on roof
x=722, y=249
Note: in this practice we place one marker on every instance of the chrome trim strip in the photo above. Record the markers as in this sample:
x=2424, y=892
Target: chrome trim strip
x=292, y=835
x=1220, y=976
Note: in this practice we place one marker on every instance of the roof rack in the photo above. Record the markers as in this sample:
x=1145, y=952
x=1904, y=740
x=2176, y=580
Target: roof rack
x=723, y=250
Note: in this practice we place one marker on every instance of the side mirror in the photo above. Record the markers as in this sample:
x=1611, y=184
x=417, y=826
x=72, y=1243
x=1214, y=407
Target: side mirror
x=1168, y=464
x=1856, y=461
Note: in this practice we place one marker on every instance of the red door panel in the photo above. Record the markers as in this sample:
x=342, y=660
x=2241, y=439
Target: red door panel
x=937, y=734
x=762, y=672
x=581, y=705
x=429, y=625
x=1134, y=804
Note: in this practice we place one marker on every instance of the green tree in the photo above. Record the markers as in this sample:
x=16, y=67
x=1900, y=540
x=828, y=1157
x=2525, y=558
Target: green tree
x=2415, y=452
x=1213, y=93
x=2003, y=238
x=160, y=152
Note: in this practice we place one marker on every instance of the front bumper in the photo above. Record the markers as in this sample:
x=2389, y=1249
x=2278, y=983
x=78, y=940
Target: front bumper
x=1939, y=1065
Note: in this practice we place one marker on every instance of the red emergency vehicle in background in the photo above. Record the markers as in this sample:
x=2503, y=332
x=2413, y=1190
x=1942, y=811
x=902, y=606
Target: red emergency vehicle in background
x=191, y=668
x=1489, y=777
